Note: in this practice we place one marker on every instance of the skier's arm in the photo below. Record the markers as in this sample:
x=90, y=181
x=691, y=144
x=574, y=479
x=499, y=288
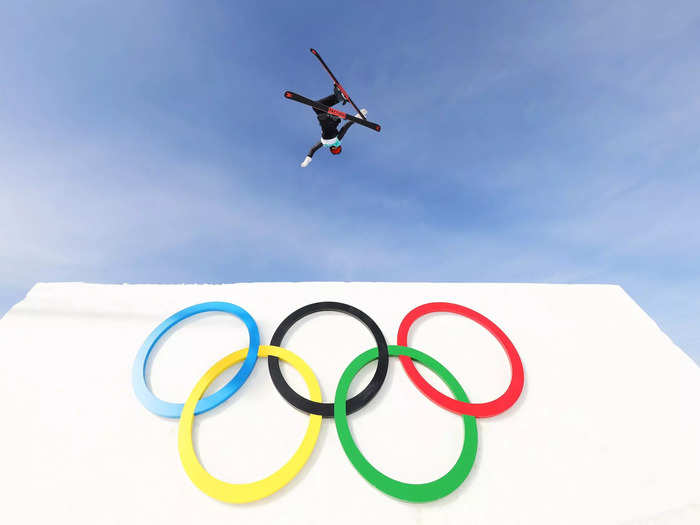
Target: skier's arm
x=344, y=129
x=349, y=123
x=313, y=150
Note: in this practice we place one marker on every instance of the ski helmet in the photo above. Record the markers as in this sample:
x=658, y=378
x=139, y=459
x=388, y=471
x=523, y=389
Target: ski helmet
x=335, y=150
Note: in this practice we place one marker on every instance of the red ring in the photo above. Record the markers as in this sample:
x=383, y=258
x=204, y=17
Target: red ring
x=492, y=408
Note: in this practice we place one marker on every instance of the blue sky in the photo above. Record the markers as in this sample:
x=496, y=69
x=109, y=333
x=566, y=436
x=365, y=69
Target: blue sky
x=150, y=142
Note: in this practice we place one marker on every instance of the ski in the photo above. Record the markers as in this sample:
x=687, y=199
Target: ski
x=335, y=81
x=332, y=111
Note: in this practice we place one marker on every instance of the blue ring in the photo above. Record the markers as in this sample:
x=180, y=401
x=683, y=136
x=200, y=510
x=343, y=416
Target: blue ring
x=166, y=409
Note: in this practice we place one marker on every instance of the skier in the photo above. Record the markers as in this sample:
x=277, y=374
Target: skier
x=330, y=136
x=329, y=118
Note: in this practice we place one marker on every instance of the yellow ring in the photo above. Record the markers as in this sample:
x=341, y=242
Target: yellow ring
x=246, y=492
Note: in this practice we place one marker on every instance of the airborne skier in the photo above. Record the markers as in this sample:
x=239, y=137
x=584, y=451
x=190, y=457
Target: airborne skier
x=330, y=136
x=329, y=118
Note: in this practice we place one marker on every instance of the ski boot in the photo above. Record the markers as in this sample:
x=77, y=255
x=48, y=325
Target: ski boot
x=339, y=95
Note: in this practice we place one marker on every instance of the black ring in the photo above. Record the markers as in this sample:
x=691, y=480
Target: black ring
x=326, y=409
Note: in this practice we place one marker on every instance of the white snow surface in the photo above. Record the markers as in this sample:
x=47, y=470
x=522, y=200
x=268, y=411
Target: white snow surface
x=606, y=431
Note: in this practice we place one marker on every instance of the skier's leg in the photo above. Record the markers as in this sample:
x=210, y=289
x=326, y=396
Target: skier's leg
x=329, y=101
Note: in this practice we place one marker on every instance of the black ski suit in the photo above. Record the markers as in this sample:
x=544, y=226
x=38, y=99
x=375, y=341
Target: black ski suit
x=329, y=123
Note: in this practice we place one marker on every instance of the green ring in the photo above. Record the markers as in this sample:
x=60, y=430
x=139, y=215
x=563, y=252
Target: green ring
x=419, y=492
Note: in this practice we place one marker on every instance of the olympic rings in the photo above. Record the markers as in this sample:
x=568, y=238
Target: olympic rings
x=489, y=409
x=407, y=491
x=246, y=492
x=166, y=409
x=341, y=407
x=326, y=409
